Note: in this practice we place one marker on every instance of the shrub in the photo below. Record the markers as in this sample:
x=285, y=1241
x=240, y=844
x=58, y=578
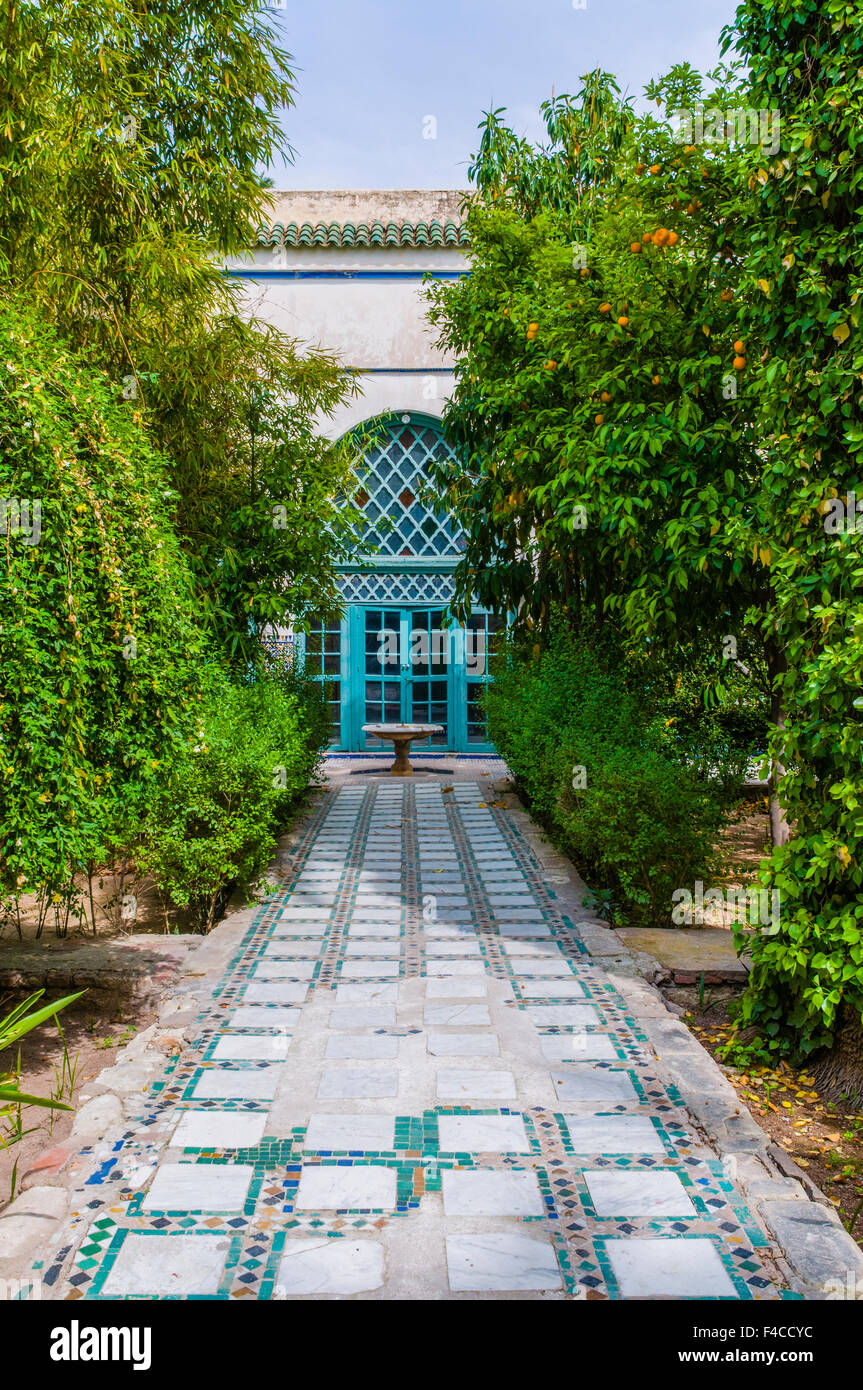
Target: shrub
x=643, y=823
x=214, y=818
x=99, y=630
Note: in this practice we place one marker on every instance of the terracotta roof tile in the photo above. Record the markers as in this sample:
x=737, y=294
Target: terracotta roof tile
x=350, y=234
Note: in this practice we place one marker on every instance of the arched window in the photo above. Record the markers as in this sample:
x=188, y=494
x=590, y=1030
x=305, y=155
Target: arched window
x=399, y=465
x=397, y=657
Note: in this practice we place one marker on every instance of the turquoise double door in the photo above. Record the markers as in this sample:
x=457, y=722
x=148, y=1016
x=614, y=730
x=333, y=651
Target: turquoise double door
x=409, y=665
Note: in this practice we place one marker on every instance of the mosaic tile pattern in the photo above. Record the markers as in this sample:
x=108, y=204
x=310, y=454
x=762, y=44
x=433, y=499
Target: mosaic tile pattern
x=410, y=1032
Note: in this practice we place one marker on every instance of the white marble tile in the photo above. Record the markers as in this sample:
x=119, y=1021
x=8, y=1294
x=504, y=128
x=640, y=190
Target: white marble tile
x=593, y=1085
x=279, y=992
x=219, y=1129
x=578, y=1047
x=500, y=1263
x=436, y=932
x=551, y=989
x=637, y=1192
x=361, y=1187
x=292, y=949
x=320, y=1265
x=257, y=1016
x=158, y=1266
x=475, y=1085
x=339, y=1083
x=456, y=1015
x=350, y=1134
x=232, y=1083
x=362, y=1016
x=440, y=950
x=284, y=970
x=252, y=1047
x=541, y=950
x=342, y=1046
x=387, y=950
x=563, y=1015
x=547, y=967
x=356, y=969
x=310, y=914
x=455, y=967
x=669, y=1267
x=482, y=1134
x=288, y=931
x=518, y=914
x=463, y=1045
x=613, y=1134
x=484, y=1192
x=391, y=930
x=199, y=1187
x=513, y=930
x=454, y=988
x=367, y=992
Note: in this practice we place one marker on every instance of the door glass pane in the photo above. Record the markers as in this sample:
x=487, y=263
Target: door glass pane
x=323, y=663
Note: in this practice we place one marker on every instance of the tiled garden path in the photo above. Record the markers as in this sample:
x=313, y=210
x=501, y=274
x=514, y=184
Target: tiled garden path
x=410, y=1082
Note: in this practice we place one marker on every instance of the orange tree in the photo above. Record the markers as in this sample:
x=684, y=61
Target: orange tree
x=804, y=261
x=653, y=436
x=607, y=460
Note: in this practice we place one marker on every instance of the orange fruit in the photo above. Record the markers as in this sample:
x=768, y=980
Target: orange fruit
x=623, y=321
x=660, y=236
x=726, y=296
x=647, y=238
x=639, y=169
x=550, y=365
x=654, y=168
x=605, y=397
x=532, y=330
x=739, y=363
x=604, y=308
x=597, y=419
x=656, y=381
x=739, y=346
x=673, y=238
x=584, y=272
x=635, y=248
x=689, y=149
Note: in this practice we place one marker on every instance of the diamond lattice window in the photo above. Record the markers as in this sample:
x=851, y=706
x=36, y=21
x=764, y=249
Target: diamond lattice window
x=398, y=522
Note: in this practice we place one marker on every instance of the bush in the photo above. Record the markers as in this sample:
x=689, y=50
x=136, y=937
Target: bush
x=99, y=632
x=642, y=823
x=215, y=818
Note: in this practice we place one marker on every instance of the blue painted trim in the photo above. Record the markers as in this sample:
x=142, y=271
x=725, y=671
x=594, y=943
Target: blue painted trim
x=403, y=371
x=255, y=274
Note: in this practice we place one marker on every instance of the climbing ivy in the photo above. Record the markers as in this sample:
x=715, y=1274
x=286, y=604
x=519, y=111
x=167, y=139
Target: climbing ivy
x=99, y=632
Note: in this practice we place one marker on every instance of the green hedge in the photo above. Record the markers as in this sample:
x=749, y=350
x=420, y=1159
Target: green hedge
x=214, y=819
x=644, y=822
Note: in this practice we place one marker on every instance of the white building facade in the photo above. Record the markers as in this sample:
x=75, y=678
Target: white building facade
x=343, y=271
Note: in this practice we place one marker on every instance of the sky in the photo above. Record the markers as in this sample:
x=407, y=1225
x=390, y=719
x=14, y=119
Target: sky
x=371, y=72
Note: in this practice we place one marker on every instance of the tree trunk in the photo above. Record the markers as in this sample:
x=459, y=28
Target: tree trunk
x=838, y=1070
